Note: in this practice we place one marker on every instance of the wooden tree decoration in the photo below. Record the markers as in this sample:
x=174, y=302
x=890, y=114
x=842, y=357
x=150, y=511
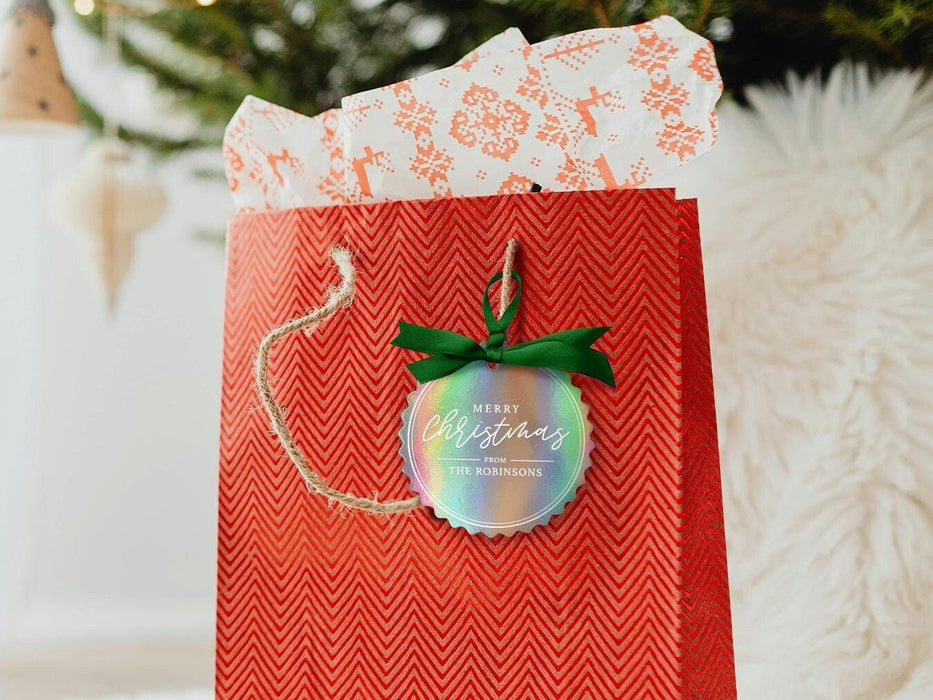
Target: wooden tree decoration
x=33, y=91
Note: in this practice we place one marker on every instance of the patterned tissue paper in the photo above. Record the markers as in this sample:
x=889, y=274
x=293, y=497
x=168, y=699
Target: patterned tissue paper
x=276, y=158
x=599, y=109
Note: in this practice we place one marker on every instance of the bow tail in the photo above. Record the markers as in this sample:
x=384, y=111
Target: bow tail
x=554, y=354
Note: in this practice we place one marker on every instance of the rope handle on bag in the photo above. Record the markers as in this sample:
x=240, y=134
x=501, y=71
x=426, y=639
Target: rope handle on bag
x=337, y=298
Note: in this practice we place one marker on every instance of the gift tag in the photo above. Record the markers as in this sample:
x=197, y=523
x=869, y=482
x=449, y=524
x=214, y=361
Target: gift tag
x=496, y=450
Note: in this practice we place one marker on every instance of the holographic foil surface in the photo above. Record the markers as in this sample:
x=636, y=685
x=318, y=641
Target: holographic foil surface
x=496, y=450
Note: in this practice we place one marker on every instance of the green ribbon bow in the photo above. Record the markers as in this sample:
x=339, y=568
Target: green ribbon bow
x=568, y=351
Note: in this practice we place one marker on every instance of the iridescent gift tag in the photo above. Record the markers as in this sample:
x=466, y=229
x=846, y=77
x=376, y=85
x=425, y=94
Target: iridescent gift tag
x=496, y=450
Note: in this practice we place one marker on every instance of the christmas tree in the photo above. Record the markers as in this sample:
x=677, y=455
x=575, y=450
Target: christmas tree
x=307, y=54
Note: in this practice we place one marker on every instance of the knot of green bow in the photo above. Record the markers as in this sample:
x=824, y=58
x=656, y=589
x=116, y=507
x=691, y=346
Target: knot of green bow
x=568, y=351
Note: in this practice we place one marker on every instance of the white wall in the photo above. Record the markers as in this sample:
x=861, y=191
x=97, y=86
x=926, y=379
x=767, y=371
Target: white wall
x=19, y=342
x=108, y=426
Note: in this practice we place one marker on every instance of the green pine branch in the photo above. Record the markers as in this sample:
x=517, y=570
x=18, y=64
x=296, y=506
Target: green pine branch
x=306, y=54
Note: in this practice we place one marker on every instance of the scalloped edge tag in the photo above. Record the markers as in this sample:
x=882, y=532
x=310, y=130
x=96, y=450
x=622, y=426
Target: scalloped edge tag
x=460, y=482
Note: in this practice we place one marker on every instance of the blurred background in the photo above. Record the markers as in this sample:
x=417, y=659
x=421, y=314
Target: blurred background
x=111, y=327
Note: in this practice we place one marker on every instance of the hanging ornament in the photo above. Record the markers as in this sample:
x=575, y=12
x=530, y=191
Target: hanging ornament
x=108, y=199
x=111, y=196
x=34, y=94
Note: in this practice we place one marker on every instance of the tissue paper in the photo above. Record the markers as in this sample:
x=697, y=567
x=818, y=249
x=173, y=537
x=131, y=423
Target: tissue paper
x=276, y=158
x=598, y=109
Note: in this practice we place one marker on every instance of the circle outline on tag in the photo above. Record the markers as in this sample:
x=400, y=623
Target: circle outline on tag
x=526, y=523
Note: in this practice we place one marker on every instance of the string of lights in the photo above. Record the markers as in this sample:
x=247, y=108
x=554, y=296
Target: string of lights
x=89, y=7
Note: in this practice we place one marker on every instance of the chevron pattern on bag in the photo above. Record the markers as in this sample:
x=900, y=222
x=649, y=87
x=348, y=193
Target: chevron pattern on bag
x=707, y=621
x=623, y=595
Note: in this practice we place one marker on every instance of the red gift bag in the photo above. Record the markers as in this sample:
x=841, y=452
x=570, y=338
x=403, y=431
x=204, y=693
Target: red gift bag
x=624, y=594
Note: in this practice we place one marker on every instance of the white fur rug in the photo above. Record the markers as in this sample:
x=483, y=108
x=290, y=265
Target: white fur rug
x=817, y=215
x=817, y=211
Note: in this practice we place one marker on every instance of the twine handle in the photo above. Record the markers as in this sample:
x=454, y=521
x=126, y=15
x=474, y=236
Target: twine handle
x=508, y=264
x=337, y=298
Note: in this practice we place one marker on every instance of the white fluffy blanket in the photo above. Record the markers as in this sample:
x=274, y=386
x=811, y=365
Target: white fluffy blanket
x=817, y=214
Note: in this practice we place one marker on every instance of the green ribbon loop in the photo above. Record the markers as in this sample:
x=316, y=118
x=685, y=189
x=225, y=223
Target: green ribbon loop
x=567, y=351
